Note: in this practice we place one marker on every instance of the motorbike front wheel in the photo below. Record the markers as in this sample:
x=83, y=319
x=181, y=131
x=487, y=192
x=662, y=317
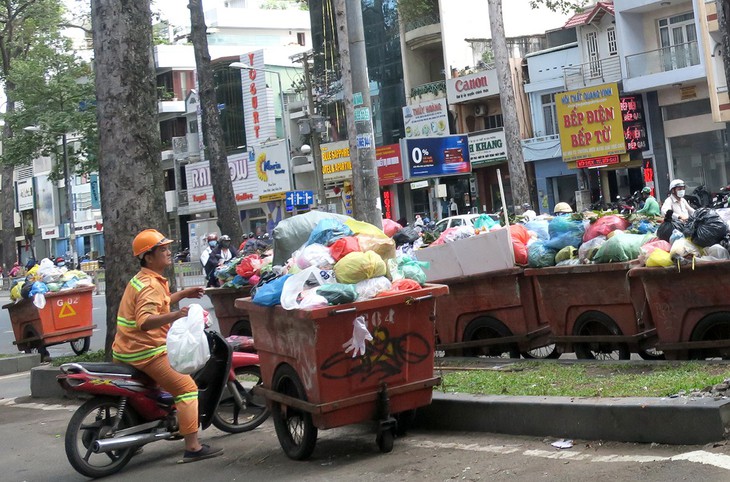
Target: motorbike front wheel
x=93, y=421
x=233, y=416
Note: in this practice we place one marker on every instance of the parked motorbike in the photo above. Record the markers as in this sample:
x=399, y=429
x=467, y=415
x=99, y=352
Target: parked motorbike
x=182, y=256
x=699, y=198
x=631, y=204
x=128, y=410
x=722, y=198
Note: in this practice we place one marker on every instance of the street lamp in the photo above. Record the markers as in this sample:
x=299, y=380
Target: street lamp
x=69, y=193
x=284, y=120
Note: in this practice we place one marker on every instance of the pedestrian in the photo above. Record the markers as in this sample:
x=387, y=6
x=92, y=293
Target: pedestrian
x=143, y=320
x=651, y=206
x=562, y=208
x=15, y=270
x=418, y=222
x=453, y=208
x=221, y=254
x=676, y=201
x=211, y=242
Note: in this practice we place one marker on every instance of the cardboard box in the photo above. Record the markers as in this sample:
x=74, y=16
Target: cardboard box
x=483, y=253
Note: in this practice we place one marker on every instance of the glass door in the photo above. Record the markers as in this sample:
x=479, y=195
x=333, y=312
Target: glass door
x=678, y=38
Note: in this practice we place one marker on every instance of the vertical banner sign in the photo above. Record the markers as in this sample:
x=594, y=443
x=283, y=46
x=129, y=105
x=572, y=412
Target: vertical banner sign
x=95, y=197
x=390, y=169
x=632, y=114
x=649, y=175
x=590, y=122
x=46, y=210
x=259, y=125
x=24, y=191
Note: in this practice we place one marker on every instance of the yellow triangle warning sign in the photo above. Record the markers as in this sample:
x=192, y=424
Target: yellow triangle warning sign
x=66, y=311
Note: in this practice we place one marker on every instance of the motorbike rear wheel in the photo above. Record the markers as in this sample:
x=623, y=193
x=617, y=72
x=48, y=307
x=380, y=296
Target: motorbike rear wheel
x=93, y=421
x=232, y=417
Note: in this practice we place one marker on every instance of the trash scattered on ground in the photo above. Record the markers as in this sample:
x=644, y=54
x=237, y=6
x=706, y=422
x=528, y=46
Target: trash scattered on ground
x=562, y=444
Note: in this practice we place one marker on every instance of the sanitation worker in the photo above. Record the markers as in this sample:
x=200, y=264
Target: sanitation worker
x=143, y=321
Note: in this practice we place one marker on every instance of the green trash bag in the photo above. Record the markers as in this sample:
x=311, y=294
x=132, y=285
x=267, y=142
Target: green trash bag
x=622, y=247
x=409, y=268
x=568, y=252
x=484, y=221
x=338, y=293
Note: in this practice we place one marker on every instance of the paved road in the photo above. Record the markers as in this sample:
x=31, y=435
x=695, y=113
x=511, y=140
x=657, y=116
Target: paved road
x=99, y=319
x=32, y=450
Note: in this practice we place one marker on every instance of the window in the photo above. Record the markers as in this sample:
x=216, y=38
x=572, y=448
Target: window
x=549, y=114
x=301, y=39
x=612, y=45
x=594, y=62
x=678, y=39
x=193, y=127
x=493, y=121
x=687, y=109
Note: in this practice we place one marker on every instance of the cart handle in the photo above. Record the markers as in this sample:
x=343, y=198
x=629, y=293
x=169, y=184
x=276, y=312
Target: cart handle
x=410, y=301
x=344, y=310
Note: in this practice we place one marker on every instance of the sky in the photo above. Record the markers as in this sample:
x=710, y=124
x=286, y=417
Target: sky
x=519, y=19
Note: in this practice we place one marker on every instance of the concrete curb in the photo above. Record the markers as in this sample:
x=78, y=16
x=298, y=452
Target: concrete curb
x=19, y=363
x=677, y=421
x=43, y=383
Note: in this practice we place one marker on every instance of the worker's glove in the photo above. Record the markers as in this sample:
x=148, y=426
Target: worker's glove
x=360, y=334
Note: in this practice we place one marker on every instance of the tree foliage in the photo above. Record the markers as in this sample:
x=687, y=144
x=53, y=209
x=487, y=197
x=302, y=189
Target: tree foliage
x=563, y=6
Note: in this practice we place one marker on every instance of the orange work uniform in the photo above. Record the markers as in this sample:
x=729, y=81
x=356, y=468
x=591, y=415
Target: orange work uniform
x=148, y=294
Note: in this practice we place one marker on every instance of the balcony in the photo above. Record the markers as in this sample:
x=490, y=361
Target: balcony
x=423, y=31
x=592, y=73
x=429, y=91
x=540, y=148
x=664, y=67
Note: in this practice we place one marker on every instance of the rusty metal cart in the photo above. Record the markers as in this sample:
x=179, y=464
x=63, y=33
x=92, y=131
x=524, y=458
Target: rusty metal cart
x=231, y=320
x=311, y=383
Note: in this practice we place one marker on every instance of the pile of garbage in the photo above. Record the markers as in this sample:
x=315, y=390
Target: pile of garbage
x=588, y=238
x=323, y=259
x=245, y=270
x=47, y=277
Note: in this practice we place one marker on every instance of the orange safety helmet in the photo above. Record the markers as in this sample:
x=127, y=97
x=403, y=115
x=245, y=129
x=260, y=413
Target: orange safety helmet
x=147, y=240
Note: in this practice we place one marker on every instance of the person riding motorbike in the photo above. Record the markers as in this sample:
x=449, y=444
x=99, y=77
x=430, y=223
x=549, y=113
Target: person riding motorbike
x=220, y=254
x=651, y=206
x=676, y=202
x=562, y=208
x=143, y=320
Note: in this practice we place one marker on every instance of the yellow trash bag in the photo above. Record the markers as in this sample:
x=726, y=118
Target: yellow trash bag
x=659, y=258
x=360, y=227
x=356, y=267
x=15, y=292
x=385, y=247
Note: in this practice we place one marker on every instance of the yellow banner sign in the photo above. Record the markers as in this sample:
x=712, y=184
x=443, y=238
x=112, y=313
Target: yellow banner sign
x=590, y=122
x=277, y=196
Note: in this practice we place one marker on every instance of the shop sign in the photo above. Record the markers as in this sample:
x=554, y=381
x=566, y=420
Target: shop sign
x=487, y=148
x=336, y=164
x=279, y=196
x=418, y=185
x=438, y=156
x=390, y=169
x=95, y=195
x=388, y=204
x=632, y=114
x=49, y=233
x=258, y=118
x=472, y=86
x=88, y=227
x=649, y=175
x=272, y=169
x=590, y=122
x=24, y=190
x=596, y=162
x=426, y=119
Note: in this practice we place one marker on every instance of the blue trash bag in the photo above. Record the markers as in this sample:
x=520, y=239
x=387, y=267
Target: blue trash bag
x=540, y=256
x=270, y=293
x=38, y=287
x=539, y=227
x=564, y=232
x=328, y=231
x=644, y=227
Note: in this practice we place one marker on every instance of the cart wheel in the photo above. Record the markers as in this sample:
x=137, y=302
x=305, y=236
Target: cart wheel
x=81, y=345
x=242, y=328
x=712, y=327
x=404, y=421
x=485, y=328
x=595, y=323
x=294, y=427
x=652, y=354
x=385, y=441
x=543, y=353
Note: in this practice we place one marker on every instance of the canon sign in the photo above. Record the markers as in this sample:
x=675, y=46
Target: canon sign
x=472, y=86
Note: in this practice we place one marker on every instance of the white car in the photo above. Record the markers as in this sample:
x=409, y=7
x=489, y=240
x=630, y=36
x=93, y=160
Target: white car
x=455, y=222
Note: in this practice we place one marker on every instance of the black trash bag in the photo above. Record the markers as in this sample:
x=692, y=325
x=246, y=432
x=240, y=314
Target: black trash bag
x=665, y=230
x=407, y=235
x=705, y=228
x=265, y=278
x=25, y=290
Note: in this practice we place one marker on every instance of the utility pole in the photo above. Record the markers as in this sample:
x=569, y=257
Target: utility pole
x=316, y=152
x=518, y=176
x=356, y=88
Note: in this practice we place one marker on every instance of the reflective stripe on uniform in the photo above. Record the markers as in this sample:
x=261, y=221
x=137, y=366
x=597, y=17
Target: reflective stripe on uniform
x=136, y=284
x=126, y=323
x=140, y=355
x=186, y=396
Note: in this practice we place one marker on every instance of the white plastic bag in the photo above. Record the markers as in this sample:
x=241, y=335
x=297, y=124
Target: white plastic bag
x=314, y=255
x=297, y=284
x=39, y=300
x=369, y=288
x=187, y=345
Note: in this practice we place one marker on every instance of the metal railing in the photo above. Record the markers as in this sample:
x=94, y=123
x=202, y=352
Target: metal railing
x=664, y=59
x=592, y=73
x=433, y=88
x=432, y=18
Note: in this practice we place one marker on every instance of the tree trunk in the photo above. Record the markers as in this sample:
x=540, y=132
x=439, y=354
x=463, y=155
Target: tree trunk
x=7, y=197
x=723, y=10
x=351, y=39
x=130, y=169
x=518, y=177
x=229, y=219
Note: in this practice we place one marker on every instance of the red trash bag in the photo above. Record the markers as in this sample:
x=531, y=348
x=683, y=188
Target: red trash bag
x=344, y=246
x=399, y=286
x=390, y=227
x=249, y=266
x=605, y=225
x=519, y=233
x=520, y=250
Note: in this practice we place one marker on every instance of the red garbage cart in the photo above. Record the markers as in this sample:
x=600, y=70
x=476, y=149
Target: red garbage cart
x=689, y=307
x=311, y=383
x=67, y=317
x=231, y=320
x=590, y=310
x=490, y=314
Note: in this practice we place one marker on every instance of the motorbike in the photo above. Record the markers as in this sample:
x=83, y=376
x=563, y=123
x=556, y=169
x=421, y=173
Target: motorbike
x=722, y=198
x=128, y=410
x=182, y=256
x=630, y=204
x=699, y=198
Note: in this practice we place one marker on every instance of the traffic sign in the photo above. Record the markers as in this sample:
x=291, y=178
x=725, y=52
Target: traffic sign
x=299, y=198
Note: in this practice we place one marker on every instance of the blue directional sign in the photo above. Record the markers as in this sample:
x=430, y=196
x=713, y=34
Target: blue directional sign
x=299, y=198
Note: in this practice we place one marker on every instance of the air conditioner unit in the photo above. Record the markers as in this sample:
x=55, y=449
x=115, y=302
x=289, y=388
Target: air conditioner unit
x=480, y=110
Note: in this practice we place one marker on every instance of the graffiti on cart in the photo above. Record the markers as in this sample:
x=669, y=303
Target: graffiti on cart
x=386, y=356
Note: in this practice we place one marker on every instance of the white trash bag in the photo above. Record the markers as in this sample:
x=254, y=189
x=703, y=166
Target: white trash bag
x=187, y=345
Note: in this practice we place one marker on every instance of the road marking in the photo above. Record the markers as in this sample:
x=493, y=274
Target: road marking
x=700, y=456
x=11, y=402
x=15, y=375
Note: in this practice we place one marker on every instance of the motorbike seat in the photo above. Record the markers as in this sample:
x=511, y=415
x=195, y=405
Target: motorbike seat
x=104, y=368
